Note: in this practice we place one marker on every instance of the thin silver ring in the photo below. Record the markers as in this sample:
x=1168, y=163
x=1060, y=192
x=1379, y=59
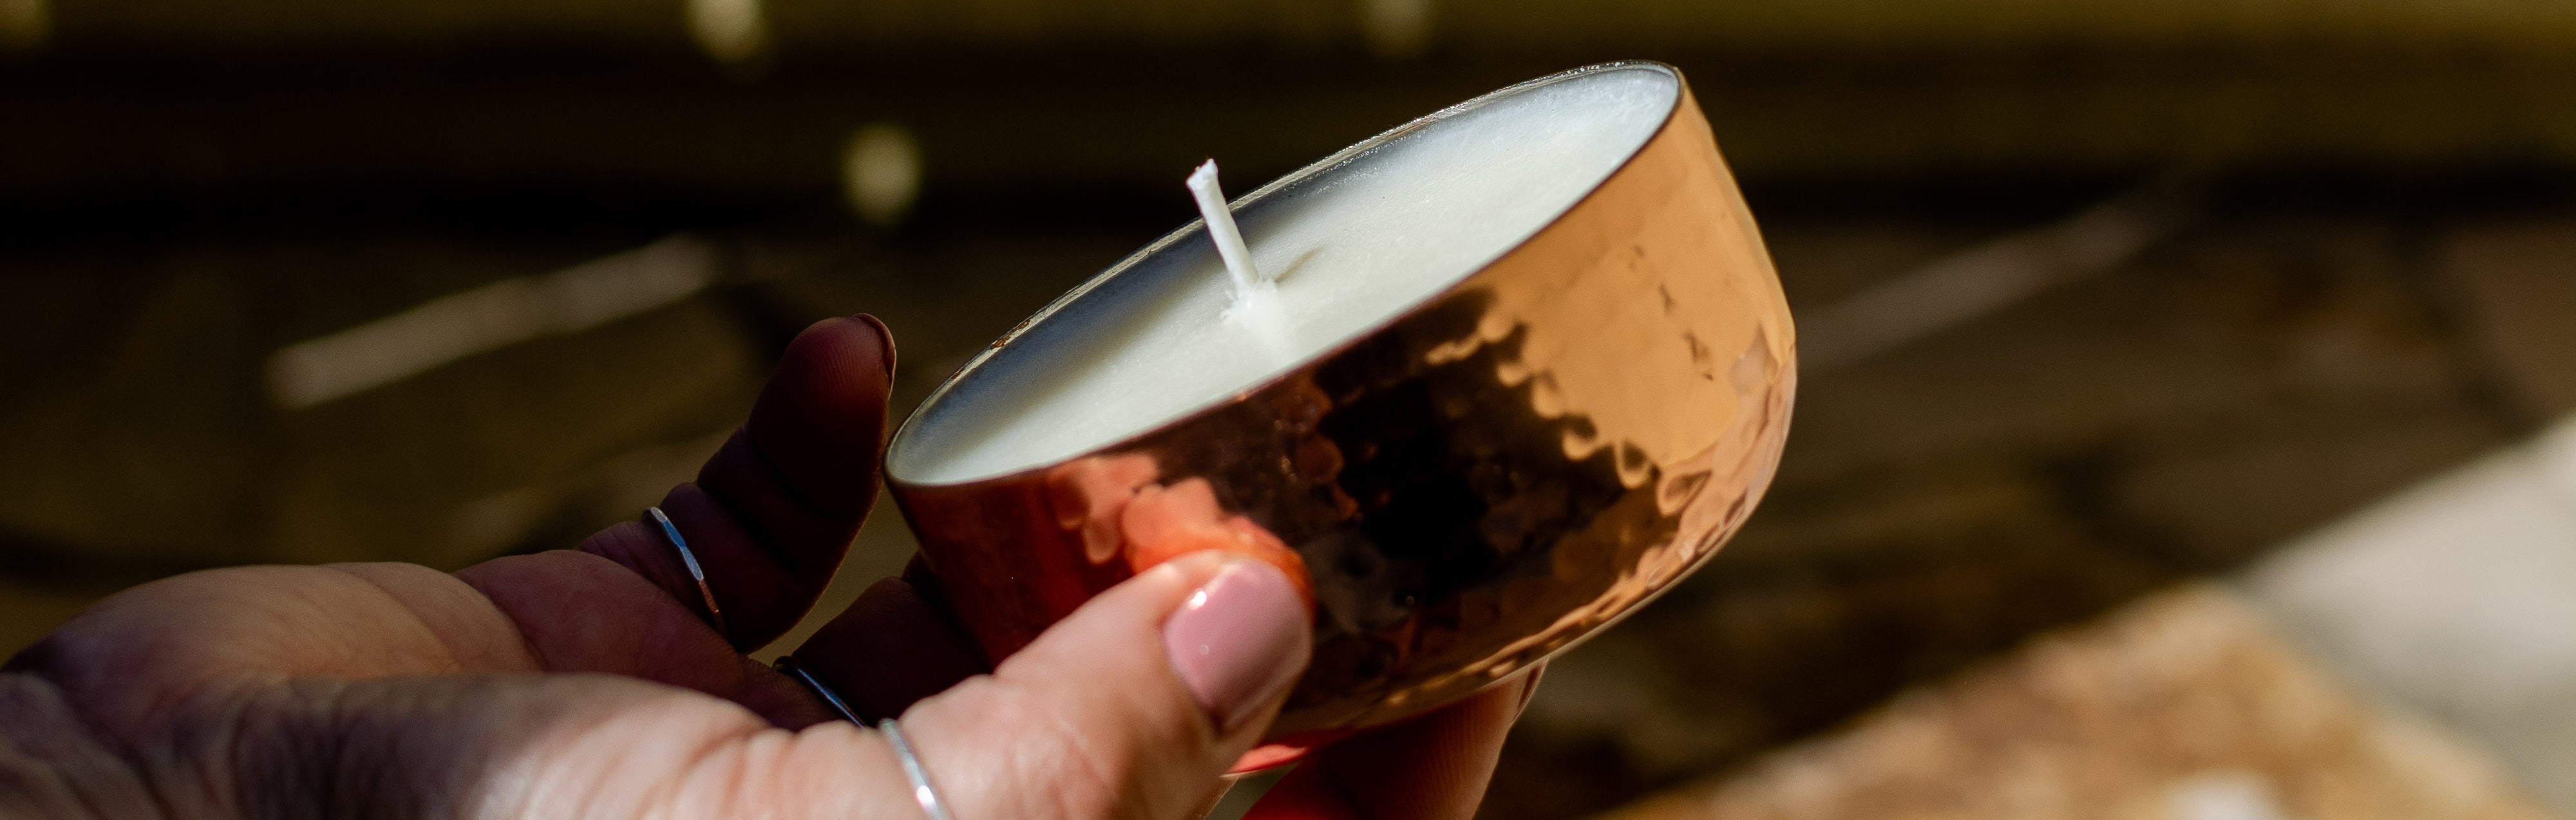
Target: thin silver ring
x=922, y=792
x=787, y=664
x=715, y=614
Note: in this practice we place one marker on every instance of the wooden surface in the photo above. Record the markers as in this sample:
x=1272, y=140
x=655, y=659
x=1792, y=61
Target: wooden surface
x=2183, y=706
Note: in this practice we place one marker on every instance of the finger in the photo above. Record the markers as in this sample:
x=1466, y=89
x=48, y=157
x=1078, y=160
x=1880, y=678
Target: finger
x=1432, y=767
x=626, y=604
x=821, y=436
x=890, y=649
x=577, y=612
x=753, y=590
x=775, y=508
x=1131, y=706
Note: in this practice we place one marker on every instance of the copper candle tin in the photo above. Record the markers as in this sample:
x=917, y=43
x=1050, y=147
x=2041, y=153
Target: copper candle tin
x=1472, y=487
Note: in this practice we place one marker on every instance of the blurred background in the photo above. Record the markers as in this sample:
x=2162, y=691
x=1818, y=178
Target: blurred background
x=2175, y=440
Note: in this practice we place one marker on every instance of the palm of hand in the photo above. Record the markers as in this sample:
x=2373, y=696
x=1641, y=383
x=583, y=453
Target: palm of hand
x=587, y=682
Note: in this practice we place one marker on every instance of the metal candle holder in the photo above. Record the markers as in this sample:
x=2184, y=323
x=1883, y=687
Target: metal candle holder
x=1473, y=486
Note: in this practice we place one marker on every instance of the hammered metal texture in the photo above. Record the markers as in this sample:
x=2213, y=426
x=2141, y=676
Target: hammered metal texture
x=1481, y=484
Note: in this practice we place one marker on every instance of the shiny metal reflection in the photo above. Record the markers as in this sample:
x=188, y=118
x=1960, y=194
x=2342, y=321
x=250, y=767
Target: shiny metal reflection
x=1474, y=487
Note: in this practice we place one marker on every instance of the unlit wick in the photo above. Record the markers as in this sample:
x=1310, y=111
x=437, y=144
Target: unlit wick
x=1248, y=280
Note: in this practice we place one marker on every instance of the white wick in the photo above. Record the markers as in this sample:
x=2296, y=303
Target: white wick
x=1220, y=225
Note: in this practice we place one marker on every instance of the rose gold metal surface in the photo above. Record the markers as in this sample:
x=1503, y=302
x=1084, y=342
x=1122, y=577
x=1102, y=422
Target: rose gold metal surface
x=1476, y=486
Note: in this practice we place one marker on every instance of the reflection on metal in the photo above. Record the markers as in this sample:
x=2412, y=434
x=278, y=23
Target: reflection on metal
x=1494, y=476
x=881, y=173
x=488, y=318
x=1984, y=279
x=1242, y=791
x=735, y=32
x=1396, y=28
x=24, y=24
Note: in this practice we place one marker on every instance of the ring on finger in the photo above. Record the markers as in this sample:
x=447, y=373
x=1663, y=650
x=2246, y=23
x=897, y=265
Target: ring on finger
x=922, y=792
x=788, y=666
x=671, y=532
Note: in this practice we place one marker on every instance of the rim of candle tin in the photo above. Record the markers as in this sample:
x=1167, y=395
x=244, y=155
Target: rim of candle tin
x=1681, y=92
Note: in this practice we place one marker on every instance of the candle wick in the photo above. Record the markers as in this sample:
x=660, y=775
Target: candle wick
x=1220, y=225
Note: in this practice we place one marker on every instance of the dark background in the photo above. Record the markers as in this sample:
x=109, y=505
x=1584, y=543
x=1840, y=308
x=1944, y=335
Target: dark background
x=2350, y=269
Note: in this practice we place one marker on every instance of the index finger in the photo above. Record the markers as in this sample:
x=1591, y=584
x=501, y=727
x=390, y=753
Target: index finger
x=773, y=511
x=768, y=521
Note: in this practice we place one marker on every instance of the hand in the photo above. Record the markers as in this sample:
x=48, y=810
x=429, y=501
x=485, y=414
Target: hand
x=588, y=683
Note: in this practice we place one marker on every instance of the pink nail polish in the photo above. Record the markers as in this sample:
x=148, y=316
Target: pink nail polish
x=1239, y=641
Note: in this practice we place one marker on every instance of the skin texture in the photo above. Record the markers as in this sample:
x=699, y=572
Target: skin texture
x=587, y=683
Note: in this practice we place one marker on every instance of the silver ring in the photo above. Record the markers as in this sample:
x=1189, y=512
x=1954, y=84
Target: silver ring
x=922, y=792
x=715, y=614
x=787, y=665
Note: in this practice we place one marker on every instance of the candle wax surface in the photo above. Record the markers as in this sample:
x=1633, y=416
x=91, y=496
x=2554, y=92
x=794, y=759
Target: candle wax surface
x=1346, y=247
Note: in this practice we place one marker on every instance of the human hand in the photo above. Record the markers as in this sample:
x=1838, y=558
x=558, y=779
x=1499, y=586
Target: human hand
x=588, y=682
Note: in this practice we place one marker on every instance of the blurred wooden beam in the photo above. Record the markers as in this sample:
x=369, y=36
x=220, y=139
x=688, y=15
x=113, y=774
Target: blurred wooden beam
x=1010, y=122
x=1494, y=25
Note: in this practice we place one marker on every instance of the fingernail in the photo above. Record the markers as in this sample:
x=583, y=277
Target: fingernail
x=885, y=339
x=1239, y=641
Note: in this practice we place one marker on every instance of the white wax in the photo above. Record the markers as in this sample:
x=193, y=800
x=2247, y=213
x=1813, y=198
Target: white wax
x=1370, y=238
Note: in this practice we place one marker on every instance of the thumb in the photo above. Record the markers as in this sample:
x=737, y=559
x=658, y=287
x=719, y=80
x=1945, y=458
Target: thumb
x=1130, y=707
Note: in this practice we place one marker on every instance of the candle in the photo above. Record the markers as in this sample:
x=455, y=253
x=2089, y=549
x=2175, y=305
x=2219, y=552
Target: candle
x=1347, y=244
x=1482, y=385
